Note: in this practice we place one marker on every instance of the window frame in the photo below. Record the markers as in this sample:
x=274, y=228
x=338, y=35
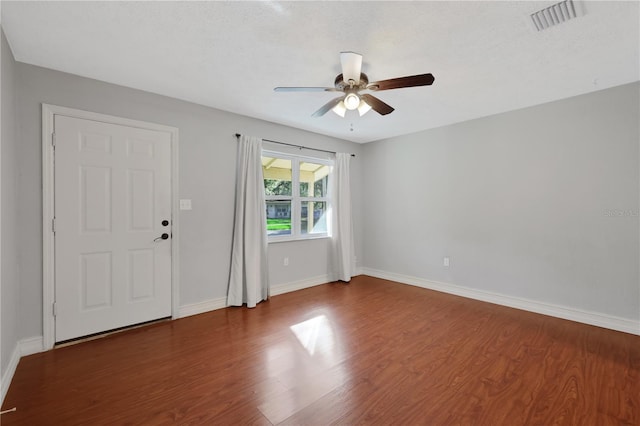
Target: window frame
x=296, y=199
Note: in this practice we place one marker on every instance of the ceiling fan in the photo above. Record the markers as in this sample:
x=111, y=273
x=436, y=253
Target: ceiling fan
x=352, y=81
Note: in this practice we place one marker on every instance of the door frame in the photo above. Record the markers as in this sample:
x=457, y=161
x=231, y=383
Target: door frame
x=48, y=203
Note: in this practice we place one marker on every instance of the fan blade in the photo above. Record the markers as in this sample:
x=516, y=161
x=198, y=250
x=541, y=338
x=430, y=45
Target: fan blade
x=351, y=66
x=305, y=89
x=377, y=105
x=398, y=83
x=326, y=107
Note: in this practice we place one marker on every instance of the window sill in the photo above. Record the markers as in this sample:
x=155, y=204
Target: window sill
x=297, y=239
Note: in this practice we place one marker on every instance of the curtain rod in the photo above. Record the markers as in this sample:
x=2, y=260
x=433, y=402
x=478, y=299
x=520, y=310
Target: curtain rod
x=296, y=146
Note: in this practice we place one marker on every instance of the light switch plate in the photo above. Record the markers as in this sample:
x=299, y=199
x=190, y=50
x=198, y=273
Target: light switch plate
x=185, y=204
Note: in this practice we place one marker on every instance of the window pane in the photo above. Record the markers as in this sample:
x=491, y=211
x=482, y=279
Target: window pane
x=278, y=217
x=277, y=176
x=313, y=179
x=314, y=217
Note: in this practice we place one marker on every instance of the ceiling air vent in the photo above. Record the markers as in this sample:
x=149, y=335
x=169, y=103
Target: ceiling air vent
x=554, y=15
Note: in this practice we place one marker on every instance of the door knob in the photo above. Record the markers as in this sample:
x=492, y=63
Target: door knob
x=162, y=237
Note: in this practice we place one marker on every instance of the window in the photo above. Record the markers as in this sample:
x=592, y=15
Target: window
x=296, y=193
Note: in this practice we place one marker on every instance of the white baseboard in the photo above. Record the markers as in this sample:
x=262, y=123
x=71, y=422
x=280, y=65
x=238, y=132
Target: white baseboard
x=24, y=347
x=564, y=312
x=31, y=346
x=202, y=307
x=10, y=371
x=299, y=285
x=221, y=302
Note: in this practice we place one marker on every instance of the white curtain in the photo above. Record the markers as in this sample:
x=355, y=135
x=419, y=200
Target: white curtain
x=249, y=279
x=342, y=227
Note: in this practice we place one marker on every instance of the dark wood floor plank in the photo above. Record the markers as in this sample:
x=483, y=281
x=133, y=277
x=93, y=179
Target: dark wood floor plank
x=370, y=352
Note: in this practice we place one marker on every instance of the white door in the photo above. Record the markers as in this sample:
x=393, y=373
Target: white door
x=112, y=206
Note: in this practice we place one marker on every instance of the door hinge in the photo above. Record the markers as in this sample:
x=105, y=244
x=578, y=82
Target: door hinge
x=53, y=139
x=53, y=225
x=55, y=309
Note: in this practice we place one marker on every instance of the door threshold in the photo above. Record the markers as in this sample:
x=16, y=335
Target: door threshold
x=102, y=334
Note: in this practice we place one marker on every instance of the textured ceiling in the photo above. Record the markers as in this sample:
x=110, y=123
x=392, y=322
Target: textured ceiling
x=485, y=56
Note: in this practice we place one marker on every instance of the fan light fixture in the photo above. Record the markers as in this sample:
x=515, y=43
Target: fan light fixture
x=363, y=108
x=351, y=101
x=340, y=109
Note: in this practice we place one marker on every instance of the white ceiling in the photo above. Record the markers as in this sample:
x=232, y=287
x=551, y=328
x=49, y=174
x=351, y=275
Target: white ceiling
x=485, y=56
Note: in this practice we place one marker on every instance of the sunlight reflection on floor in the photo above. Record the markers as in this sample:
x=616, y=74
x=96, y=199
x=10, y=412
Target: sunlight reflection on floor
x=306, y=375
x=314, y=331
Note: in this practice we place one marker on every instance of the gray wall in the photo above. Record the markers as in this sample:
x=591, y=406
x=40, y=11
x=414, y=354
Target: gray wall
x=540, y=203
x=207, y=176
x=9, y=277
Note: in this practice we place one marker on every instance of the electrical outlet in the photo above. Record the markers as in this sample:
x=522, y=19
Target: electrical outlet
x=286, y=261
x=445, y=262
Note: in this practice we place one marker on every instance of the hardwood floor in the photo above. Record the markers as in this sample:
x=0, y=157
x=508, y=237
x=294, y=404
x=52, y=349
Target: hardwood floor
x=370, y=352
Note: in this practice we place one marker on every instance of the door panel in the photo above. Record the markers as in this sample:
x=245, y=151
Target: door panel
x=140, y=189
x=95, y=199
x=141, y=274
x=112, y=192
x=95, y=281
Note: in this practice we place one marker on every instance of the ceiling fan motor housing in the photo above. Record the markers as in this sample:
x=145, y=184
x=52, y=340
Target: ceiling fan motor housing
x=340, y=84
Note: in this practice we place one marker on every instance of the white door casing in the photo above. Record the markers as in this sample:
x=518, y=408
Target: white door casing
x=113, y=186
